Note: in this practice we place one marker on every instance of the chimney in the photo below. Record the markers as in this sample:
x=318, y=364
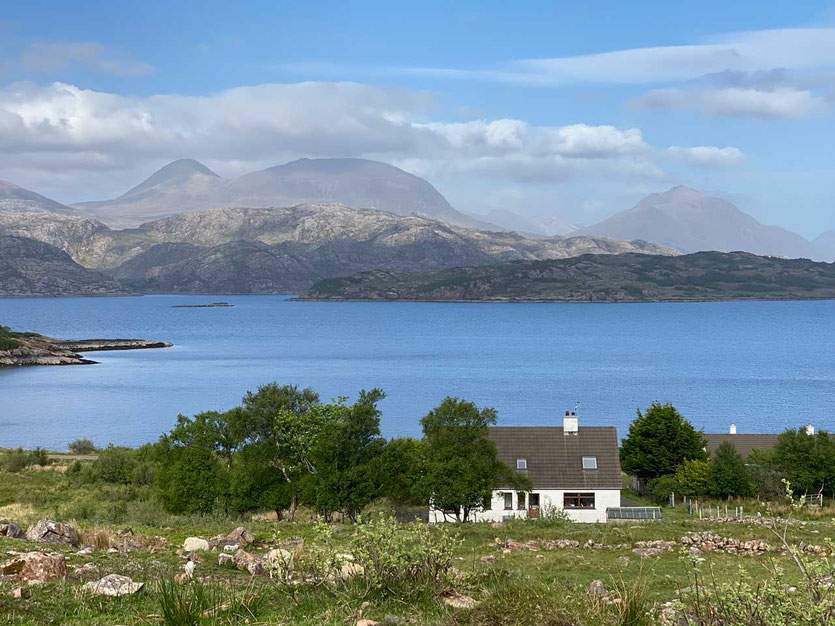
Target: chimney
x=810, y=430
x=569, y=423
x=733, y=429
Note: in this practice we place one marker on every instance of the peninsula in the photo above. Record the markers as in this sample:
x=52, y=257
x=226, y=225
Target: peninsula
x=19, y=348
x=703, y=276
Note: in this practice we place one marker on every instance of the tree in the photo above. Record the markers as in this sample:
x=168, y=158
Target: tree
x=462, y=467
x=729, y=475
x=402, y=466
x=345, y=456
x=808, y=461
x=659, y=441
x=765, y=476
x=81, y=446
x=187, y=480
x=283, y=422
x=692, y=478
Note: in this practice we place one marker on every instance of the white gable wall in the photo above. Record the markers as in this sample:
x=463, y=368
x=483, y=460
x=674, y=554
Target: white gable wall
x=548, y=499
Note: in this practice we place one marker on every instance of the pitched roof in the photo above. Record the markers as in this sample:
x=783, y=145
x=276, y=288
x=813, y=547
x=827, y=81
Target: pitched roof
x=555, y=460
x=743, y=442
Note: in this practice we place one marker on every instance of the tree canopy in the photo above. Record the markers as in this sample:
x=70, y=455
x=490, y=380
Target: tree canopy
x=729, y=475
x=659, y=441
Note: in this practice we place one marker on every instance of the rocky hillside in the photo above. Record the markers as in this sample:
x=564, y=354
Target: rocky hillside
x=35, y=268
x=281, y=249
x=598, y=278
x=15, y=199
x=690, y=221
x=187, y=185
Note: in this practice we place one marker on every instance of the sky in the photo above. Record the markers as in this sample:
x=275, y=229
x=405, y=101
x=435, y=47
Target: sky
x=567, y=109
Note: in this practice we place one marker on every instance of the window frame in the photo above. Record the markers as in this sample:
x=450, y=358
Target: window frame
x=577, y=498
x=522, y=464
x=531, y=496
x=506, y=495
x=583, y=462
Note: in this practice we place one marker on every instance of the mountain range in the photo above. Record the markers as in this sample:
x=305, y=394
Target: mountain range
x=187, y=185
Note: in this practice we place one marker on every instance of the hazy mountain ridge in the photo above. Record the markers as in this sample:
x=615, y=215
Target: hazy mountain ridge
x=187, y=185
x=690, y=221
x=598, y=278
x=16, y=199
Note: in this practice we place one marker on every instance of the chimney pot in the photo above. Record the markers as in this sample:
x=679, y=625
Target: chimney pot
x=733, y=429
x=810, y=430
x=570, y=424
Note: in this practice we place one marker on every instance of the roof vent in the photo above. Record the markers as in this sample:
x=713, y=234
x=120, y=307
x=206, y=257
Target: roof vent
x=570, y=425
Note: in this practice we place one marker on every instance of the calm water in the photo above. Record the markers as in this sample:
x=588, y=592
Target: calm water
x=763, y=365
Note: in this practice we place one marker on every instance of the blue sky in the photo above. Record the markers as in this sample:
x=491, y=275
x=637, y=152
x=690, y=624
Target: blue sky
x=546, y=108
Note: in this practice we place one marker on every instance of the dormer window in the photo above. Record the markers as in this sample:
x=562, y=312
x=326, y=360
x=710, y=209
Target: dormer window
x=589, y=462
x=521, y=464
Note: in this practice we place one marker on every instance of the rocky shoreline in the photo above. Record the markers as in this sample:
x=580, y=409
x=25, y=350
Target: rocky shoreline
x=51, y=351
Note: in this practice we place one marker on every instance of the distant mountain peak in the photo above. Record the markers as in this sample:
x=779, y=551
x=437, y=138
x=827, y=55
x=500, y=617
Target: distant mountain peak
x=16, y=199
x=180, y=169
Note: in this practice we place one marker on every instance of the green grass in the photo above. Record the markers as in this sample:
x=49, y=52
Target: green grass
x=524, y=587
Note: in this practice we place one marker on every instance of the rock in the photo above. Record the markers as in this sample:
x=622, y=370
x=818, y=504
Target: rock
x=245, y=560
x=49, y=531
x=20, y=593
x=241, y=536
x=85, y=551
x=391, y=619
x=488, y=559
x=225, y=558
x=625, y=560
x=11, y=530
x=34, y=567
x=190, y=567
x=114, y=585
x=193, y=544
x=88, y=571
x=349, y=570
x=181, y=578
x=458, y=601
x=597, y=589
x=367, y=622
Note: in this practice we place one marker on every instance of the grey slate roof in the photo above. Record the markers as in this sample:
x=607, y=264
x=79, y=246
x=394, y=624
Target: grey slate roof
x=555, y=459
x=743, y=442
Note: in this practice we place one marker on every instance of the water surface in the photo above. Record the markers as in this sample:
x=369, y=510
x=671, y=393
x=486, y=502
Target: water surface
x=763, y=365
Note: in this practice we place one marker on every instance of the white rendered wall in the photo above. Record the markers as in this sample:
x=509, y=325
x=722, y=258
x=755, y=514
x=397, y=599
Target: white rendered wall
x=548, y=498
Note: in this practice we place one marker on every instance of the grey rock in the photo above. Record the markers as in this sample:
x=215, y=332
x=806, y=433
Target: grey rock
x=49, y=531
x=114, y=585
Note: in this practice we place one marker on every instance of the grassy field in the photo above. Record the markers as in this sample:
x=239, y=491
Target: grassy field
x=519, y=586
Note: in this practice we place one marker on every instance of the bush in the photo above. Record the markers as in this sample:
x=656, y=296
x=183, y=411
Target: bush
x=115, y=465
x=81, y=446
x=19, y=459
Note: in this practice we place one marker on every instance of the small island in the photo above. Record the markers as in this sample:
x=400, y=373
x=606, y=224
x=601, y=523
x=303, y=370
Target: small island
x=27, y=348
x=212, y=305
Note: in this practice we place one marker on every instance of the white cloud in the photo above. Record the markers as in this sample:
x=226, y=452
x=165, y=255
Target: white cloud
x=791, y=48
x=72, y=133
x=49, y=57
x=779, y=103
x=707, y=156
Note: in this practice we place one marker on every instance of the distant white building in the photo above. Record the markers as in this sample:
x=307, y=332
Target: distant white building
x=575, y=469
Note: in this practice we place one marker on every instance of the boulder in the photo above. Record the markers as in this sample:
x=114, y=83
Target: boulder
x=458, y=601
x=49, y=531
x=245, y=560
x=241, y=536
x=597, y=589
x=193, y=544
x=114, y=585
x=280, y=559
x=12, y=530
x=224, y=558
x=34, y=567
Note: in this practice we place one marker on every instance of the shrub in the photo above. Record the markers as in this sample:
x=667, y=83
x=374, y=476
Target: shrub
x=115, y=465
x=20, y=459
x=81, y=446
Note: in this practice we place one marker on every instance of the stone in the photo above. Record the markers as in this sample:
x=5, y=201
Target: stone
x=85, y=551
x=241, y=536
x=88, y=571
x=245, y=560
x=11, y=530
x=597, y=589
x=488, y=559
x=34, y=567
x=366, y=622
x=391, y=619
x=49, y=531
x=224, y=558
x=114, y=585
x=20, y=593
x=193, y=544
x=458, y=601
x=190, y=567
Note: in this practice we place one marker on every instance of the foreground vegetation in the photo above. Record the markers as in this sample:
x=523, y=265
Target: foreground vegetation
x=333, y=535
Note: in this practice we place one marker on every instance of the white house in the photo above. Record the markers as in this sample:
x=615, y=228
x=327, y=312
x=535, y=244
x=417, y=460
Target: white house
x=575, y=469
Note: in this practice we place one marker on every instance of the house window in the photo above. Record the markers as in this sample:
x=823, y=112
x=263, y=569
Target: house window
x=578, y=501
x=589, y=462
x=508, y=500
x=534, y=501
x=521, y=464
x=520, y=496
